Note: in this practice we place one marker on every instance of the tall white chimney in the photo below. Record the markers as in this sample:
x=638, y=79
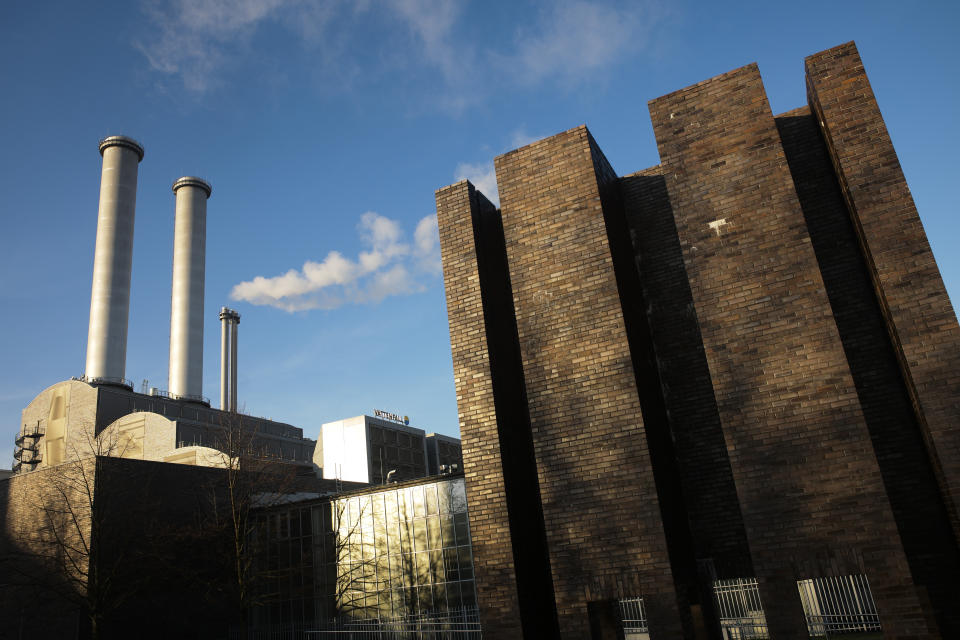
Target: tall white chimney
x=229, y=323
x=186, y=307
x=112, y=261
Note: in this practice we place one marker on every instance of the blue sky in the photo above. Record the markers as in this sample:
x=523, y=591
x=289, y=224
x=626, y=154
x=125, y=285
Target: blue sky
x=325, y=127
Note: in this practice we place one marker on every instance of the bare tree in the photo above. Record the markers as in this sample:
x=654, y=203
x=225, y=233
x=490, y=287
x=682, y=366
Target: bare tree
x=59, y=521
x=254, y=478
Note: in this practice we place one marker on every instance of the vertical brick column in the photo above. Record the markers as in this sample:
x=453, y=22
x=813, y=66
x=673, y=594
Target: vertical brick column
x=908, y=476
x=919, y=317
x=708, y=487
x=810, y=490
x=483, y=469
x=600, y=505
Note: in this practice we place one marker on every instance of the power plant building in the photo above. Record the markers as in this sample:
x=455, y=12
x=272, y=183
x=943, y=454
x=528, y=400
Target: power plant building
x=382, y=448
x=720, y=392
x=68, y=420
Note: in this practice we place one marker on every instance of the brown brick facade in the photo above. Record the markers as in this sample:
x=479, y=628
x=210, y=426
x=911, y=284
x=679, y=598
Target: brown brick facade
x=921, y=322
x=763, y=384
x=601, y=509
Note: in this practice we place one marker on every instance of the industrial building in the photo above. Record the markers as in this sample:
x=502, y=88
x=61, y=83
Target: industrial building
x=99, y=413
x=382, y=448
x=720, y=390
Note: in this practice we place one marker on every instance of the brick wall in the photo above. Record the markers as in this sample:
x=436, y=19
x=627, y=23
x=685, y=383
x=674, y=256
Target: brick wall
x=708, y=488
x=460, y=214
x=917, y=311
x=810, y=490
x=908, y=476
x=763, y=384
x=603, y=520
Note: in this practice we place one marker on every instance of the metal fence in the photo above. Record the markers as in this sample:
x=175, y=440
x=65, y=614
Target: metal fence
x=461, y=624
x=739, y=609
x=633, y=619
x=838, y=605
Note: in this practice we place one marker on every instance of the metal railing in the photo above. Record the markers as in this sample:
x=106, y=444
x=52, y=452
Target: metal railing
x=838, y=605
x=122, y=382
x=461, y=624
x=633, y=619
x=27, y=452
x=739, y=609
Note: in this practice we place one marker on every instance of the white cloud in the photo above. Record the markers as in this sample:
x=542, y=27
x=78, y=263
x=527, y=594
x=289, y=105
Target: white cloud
x=195, y=38
x=575, y=40
x=483, y=176
x=426, y=238
x=388, y=267
x=520, y=138
x=569, y=41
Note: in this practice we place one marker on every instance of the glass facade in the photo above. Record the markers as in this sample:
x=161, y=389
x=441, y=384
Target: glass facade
x=381, y=554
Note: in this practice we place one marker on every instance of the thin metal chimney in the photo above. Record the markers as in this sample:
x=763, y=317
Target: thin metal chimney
x=186, y=306
x=112, y=260
x=229, y=323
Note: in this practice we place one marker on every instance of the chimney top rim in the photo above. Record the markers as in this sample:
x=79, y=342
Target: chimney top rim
x=122, y=141
x=192, y=181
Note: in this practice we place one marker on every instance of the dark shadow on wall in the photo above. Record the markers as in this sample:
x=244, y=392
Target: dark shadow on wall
x=908, y=477
x=535, y=591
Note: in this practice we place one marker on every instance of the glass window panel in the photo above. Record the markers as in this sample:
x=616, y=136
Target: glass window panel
x=306, y=522
x=422, y=568
x=434, y=539
x=448, y=531
x=420, y=535
x=426, y=598
x=353, y=512
x=364, y=504
x=386, y=606
x=390, y=508
x=453, y=595
x=451, y=562
x=295, y=524
x=326, y=519
x=418, y=503
x=466, y=562
x=396, y=567
x=458, y=496
x=468, y=592
x=397, y=602
x=444, y=493
x=440, y=596
x=431, y=494
x=381, y=543
x=406, y=537
x=437, y=571
x=463, y=531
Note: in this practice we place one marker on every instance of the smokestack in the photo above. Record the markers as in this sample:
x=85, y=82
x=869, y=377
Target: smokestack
x=112, y=260
x=186, y=307
x=229, y=322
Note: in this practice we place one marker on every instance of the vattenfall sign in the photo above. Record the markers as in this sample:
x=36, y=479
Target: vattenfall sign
x=386, y=415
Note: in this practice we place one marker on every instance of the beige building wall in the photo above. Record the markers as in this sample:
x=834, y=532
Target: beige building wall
x=65, y=412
